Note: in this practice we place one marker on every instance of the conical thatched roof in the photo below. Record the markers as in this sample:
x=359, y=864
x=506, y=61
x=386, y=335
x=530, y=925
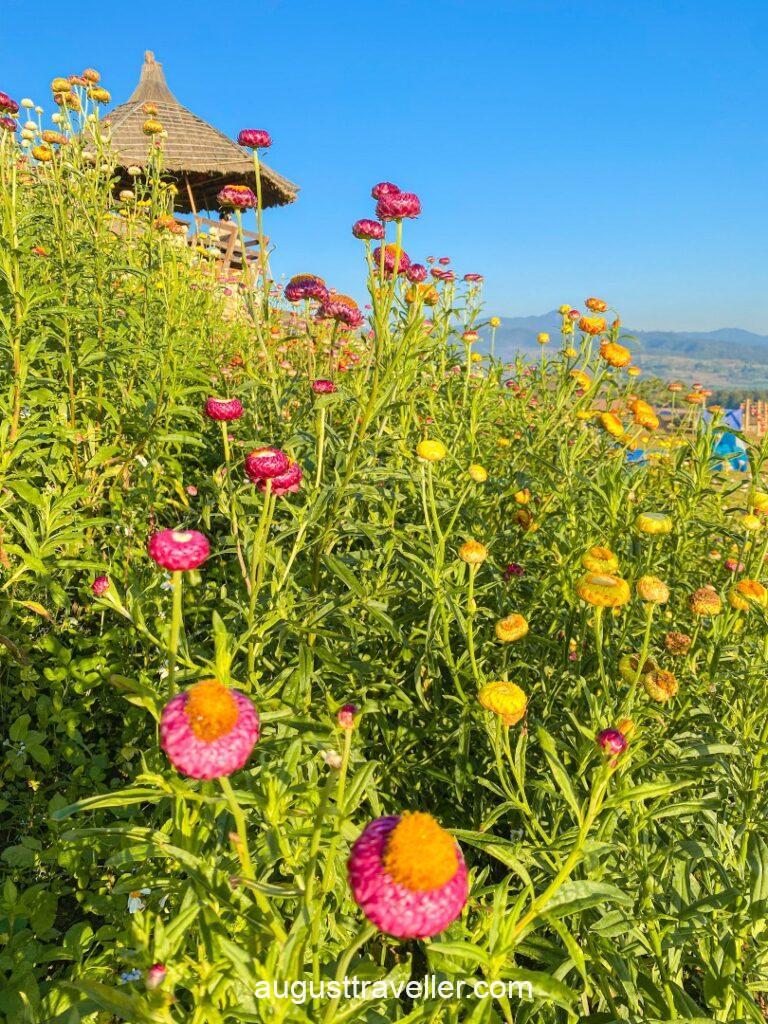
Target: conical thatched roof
x=201, y=157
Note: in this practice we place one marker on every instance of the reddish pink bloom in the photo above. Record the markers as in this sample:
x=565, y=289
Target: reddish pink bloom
x=396, y=908
x=444, y=261
x=323, y=387
x=611, y=741
x=431, y=259
x=513, y=569
x=155, y=976
x=8, y=124
x=732, y=565
x=285, y=483
x=343, y=309
x=7, y=105
x=346, y=716
x=265, y=464
x=397, y=205
x=239, y=197
x=306, y=286
x=209, y=730
x=389, y=259
x=473, y=277
x=574, y=314
x=254, y=138
x=100, y=585
x=178, y=550
x=224, y=408
x=384, y=188
x=368, y=229
x=417, y=272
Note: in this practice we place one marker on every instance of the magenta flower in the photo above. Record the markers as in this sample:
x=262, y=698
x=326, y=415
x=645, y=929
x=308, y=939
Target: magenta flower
x=100, y=585
x=444, y=261
x=408, y=876
x=368, y=229
x=239, y=197
x=8, y=124
x=209, y=730
x=611, y=741
x=306, y=286
x=285, y=483
x=384, y=188
x=473, y=277
x=178, y=550
x=346, y=716
x=397, y=205
x=417, y=272
x=155, y=976
x=513, y=569
x=265, y=464
x=224, y=408
x=343, y=309
x=7, y=105
x=254, y=138
x=323, y=387
x=389, y=259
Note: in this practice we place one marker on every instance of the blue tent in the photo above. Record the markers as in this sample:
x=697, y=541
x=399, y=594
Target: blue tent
x=729, y=448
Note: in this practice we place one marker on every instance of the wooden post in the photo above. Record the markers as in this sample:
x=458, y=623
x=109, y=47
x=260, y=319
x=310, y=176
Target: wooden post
x=191, y=201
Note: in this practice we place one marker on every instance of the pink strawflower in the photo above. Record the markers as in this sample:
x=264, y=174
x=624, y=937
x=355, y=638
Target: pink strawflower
x=397, y=205
x=389, y=259
x=473, y=277
x=733, y=565
x=224, y=408
x=417, y=272
x=239, y=197
x=209, y=730
x=306, y=286
x=285, y=483
x=346, y=716
x=178, y=550
x=8, y=124
x=408, y=876
x=254, y=138
x=323, y=387
x=265, y=464
x=444, y=261
x=7, y=105
x=343, y=309
x=513, y=569
x=611, y=741
x=100, y=585
x=368, y=229
x=384, y=188
x=155, y=976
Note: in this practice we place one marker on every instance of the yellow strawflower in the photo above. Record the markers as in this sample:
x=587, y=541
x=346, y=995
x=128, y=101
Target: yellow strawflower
x=513, y=627
x=507, y=700
x=431, y=451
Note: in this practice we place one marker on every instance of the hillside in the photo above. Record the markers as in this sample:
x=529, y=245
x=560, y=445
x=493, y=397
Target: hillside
x=728, y=356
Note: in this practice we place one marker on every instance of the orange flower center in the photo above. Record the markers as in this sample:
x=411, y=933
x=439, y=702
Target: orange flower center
x=211, y=710
x=419, y=854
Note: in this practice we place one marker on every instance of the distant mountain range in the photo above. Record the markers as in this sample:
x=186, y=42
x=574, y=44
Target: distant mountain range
x=728, y=357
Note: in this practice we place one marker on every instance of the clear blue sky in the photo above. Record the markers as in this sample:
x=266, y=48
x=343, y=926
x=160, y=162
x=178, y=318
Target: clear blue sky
x=563, y=149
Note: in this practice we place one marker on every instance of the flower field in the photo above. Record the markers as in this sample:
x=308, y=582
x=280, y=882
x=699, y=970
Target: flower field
x=336, y=652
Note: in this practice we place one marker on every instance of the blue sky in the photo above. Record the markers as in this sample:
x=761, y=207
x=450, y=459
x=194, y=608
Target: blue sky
x=562, y=149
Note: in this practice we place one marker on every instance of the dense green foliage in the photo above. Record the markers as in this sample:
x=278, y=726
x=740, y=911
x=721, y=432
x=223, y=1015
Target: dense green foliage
x=627, y=889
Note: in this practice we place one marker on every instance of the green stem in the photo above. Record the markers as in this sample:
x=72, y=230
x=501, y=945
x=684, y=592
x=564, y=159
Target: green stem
x=175, y=629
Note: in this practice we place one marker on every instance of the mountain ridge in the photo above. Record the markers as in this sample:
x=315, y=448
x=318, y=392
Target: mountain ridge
x=726, y=356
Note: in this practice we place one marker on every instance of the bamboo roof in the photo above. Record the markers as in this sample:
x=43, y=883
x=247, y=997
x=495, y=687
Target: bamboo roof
x=202, y=158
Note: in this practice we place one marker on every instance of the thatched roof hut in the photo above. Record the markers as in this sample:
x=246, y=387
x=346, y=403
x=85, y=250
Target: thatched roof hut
x=199, y=156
